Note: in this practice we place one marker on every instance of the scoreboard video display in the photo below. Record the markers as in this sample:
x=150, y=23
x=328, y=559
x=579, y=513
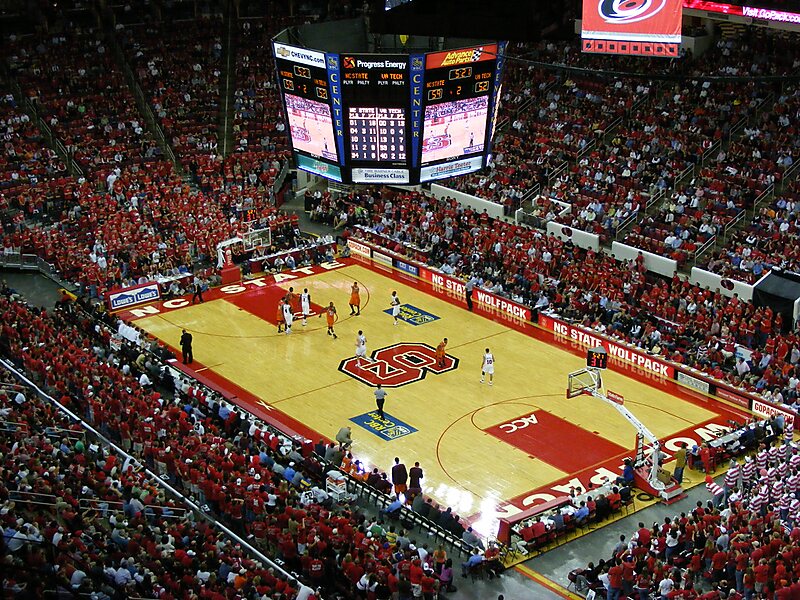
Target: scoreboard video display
x=304, y=83
x=375, y=92
x=390, y=118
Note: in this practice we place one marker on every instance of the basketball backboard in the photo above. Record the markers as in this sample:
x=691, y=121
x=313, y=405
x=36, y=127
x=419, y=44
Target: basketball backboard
x=582, y=382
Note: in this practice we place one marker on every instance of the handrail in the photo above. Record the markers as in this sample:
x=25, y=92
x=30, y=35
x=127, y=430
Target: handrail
x=790, y=173
x=12, y=426
x=32, y=498
x=556, y=173
x=586, y=149
x=133, y=84
x=732, y=223
x=736, y=129
x=229, y=73
x=533, y=191
x=654, y=199
x=765, y=195
x=152, y=475
x=710, y=152
x=687, y=172
x=612, y=126
x=704, y=248
x=625, y=224
x=67, y=433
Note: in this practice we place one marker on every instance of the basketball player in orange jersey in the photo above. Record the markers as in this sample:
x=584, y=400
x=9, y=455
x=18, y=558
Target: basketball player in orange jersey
x=330, y=316
x=292, y=299
x=279, y=316
x=355, y=300
x=440, y=354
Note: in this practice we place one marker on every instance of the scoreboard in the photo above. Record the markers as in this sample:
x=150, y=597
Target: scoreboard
x=390, y=118
x=458, y=86
x=375, y=92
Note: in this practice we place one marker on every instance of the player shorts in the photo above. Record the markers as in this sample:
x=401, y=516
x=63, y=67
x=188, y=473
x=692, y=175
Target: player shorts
x=361, y=351
x=488, y=369
x=395, y=311
x=306, y=309
x=288, y=318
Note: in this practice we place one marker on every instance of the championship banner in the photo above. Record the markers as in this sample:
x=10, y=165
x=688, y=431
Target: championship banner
x=636, y=27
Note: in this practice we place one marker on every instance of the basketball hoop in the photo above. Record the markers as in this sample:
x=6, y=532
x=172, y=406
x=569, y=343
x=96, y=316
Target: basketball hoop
x=584, y=381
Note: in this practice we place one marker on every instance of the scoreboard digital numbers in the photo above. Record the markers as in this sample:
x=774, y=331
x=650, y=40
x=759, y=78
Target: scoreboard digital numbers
x=375, y=92
x=303, y=78
x=390, y=118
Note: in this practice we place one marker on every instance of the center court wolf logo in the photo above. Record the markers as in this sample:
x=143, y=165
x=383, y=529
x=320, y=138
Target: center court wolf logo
x=398, y=365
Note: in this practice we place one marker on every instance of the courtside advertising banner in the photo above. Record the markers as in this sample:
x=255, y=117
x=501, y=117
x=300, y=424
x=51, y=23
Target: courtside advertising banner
x=638, y=27
x=133, y=296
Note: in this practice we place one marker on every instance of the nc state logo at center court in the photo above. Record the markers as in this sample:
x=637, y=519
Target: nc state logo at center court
x=397, y=365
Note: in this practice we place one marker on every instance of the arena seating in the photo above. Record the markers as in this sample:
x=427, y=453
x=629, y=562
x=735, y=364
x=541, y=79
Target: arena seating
x=178, y=69
x=133, y=219
x=254, y=480
x=673, y=318
x=741, y=543
x=79, y=91
x=75, y=504
x=26, y=162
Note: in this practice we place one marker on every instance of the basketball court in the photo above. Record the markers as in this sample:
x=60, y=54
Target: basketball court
x=487, y=451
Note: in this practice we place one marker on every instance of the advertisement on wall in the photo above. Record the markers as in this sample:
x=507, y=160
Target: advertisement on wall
x=133, y=296
x=643, y=28
x=359, y=248
x=591, y=340
x=454, y=288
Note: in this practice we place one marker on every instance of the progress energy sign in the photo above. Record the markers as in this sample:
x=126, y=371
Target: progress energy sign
x=638, y=27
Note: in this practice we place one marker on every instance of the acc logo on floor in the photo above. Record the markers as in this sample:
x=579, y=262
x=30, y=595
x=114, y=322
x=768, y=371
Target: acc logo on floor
x=398, y=365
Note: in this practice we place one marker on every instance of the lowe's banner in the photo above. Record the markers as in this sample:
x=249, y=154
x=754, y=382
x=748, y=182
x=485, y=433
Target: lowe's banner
x=133, y=296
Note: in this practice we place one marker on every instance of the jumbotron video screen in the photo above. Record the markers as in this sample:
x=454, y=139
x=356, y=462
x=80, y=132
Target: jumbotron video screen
x=390, y=118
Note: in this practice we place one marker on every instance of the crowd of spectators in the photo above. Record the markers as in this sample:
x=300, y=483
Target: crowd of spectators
x=740, y=544
x=672, y=318
x=258, y=483
x=25, y=161
x=73, y=80
x=178, y=66
x=666, y=131
x=79, y=518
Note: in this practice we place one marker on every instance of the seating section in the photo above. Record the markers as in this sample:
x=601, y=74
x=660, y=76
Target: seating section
x=256, y=482
x=674, y=318
x=178, y=67
x=80, y=92
x=742, y=538
x=677, y=163
x=110, y=530
x=25, y=162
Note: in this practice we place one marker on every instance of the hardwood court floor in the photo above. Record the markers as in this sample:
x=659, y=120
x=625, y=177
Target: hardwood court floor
x=470, y=462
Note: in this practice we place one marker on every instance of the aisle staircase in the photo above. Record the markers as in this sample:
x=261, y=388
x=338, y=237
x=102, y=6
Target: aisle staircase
x=227, y=80
x=108, y=20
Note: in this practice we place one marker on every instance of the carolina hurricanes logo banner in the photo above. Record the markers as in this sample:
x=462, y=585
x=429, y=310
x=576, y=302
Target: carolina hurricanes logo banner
x=637, y=27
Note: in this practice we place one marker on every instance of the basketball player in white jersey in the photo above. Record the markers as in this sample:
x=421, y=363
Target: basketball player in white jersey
x=395, y=304
x=361, y=347
x=288, y=316
x=305, y=305
x=488, y=367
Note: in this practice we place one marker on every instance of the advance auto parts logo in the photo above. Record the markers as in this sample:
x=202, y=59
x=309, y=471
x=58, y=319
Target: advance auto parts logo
x=629, y=11
x=459, y=57
x=397, y=365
